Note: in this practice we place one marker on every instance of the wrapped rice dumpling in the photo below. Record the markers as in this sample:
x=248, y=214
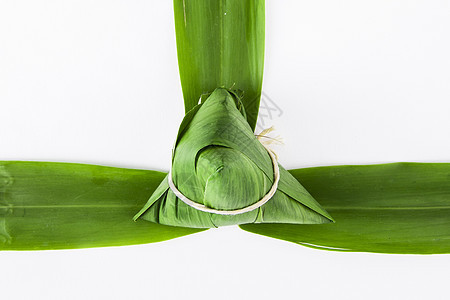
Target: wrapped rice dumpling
x=219, y=165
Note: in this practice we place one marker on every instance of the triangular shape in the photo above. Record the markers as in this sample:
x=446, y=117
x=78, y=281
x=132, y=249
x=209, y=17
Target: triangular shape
x=219, y=163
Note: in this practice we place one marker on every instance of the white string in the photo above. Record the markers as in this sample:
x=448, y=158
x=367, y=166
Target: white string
x=267, y=197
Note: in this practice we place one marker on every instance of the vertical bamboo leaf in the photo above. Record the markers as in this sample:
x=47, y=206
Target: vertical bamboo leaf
x=220, y=43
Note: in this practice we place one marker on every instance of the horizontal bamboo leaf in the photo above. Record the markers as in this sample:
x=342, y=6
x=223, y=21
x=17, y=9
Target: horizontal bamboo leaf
x=389, y=208
x=63, y=206
x=221, y=44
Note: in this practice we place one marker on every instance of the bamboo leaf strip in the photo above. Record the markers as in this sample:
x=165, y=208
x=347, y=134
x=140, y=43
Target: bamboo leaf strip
x=388, y=208
x=65, y=206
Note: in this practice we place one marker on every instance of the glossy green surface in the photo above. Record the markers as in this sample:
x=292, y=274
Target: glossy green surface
x=65, y=206
x=389, y=208
x=220, y=43
x=392, y=208
x=218, y=162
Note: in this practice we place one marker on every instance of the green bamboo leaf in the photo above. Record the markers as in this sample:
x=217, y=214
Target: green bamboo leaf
x=64, y=206
x=220, y=43
x=388, y=208
x=219, y=163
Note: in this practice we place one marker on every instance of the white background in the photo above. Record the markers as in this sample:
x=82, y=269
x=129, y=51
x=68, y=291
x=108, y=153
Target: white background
x=97, y=82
